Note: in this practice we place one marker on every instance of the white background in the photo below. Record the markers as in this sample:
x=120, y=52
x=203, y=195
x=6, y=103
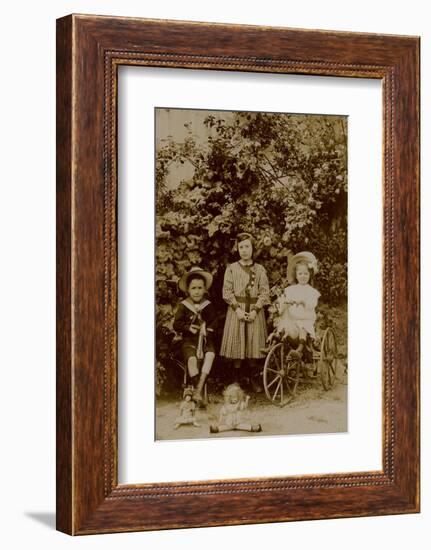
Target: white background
x=27, y=218
x=141, y=458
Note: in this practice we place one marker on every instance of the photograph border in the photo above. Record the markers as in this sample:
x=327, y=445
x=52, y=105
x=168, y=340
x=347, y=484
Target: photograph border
x=89, y=51
x=173, y=363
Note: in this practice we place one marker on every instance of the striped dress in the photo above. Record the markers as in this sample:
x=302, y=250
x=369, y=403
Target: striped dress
x=244, y=287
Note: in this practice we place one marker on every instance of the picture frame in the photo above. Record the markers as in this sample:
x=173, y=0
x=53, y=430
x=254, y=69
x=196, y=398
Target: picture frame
x=89, y=51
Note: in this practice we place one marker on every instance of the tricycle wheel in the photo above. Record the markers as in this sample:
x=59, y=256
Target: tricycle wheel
x=328, y=360
x=280, y=376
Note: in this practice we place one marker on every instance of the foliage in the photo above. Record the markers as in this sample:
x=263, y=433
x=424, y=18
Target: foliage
x=281, y=177
x=160, y=377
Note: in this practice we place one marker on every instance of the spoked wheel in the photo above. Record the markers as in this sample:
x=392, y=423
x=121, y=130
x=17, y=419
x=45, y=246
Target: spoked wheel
x=280, y=376
x=328, y=359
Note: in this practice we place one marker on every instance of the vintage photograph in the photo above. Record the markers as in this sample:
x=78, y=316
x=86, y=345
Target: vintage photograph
x=251, y=273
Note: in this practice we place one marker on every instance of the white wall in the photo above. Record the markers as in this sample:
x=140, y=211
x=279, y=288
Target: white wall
x=27, y=308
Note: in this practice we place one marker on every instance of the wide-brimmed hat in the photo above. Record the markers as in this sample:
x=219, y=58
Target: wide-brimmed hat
x=183, y=282
x=307, y=257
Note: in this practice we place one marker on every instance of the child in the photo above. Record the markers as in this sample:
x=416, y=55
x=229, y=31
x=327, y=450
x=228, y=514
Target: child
x=297, y=305
x=194, y=319
x=231, y=417
x=246, y=292
x=187, y=410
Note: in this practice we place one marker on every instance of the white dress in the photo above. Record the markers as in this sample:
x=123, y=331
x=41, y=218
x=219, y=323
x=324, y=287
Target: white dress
x=297, y=305
x=231, y=414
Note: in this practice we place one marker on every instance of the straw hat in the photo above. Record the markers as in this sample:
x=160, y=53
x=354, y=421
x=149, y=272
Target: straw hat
x=183, y=282
x=307, y=257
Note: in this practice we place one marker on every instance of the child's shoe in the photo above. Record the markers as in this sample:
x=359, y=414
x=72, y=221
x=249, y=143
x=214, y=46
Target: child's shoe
x=311, y=372
x=255, y=384
x=199, y=400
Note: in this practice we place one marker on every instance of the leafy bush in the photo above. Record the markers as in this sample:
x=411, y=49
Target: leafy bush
x=281, y=177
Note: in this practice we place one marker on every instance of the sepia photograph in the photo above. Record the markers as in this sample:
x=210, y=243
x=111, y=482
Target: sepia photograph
x=251, y=274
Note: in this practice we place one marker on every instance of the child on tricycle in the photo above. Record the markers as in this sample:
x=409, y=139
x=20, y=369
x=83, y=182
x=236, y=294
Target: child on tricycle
x=296, y=307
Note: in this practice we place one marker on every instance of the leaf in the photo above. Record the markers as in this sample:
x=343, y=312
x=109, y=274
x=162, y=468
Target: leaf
x=212, y=228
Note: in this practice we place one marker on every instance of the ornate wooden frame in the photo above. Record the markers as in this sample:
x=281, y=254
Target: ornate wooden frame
x=89, y=51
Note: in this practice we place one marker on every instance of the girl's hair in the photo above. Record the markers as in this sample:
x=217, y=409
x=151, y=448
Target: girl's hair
x=310, y=271
x=233, y=389
x=193, y=276
x=244, y=237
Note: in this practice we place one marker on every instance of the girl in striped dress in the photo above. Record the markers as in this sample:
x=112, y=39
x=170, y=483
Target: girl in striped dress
x=246, y=291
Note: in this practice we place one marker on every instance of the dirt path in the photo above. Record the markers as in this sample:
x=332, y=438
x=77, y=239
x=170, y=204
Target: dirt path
x=312, y=411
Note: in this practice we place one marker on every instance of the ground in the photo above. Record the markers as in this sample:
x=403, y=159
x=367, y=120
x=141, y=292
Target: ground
x=313, y=410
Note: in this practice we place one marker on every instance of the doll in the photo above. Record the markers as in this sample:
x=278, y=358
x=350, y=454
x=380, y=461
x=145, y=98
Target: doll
x=187, y=410
x=231, y=413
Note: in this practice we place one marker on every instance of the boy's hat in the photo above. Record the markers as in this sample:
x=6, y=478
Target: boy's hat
x=307, y=257
x=183, y=282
